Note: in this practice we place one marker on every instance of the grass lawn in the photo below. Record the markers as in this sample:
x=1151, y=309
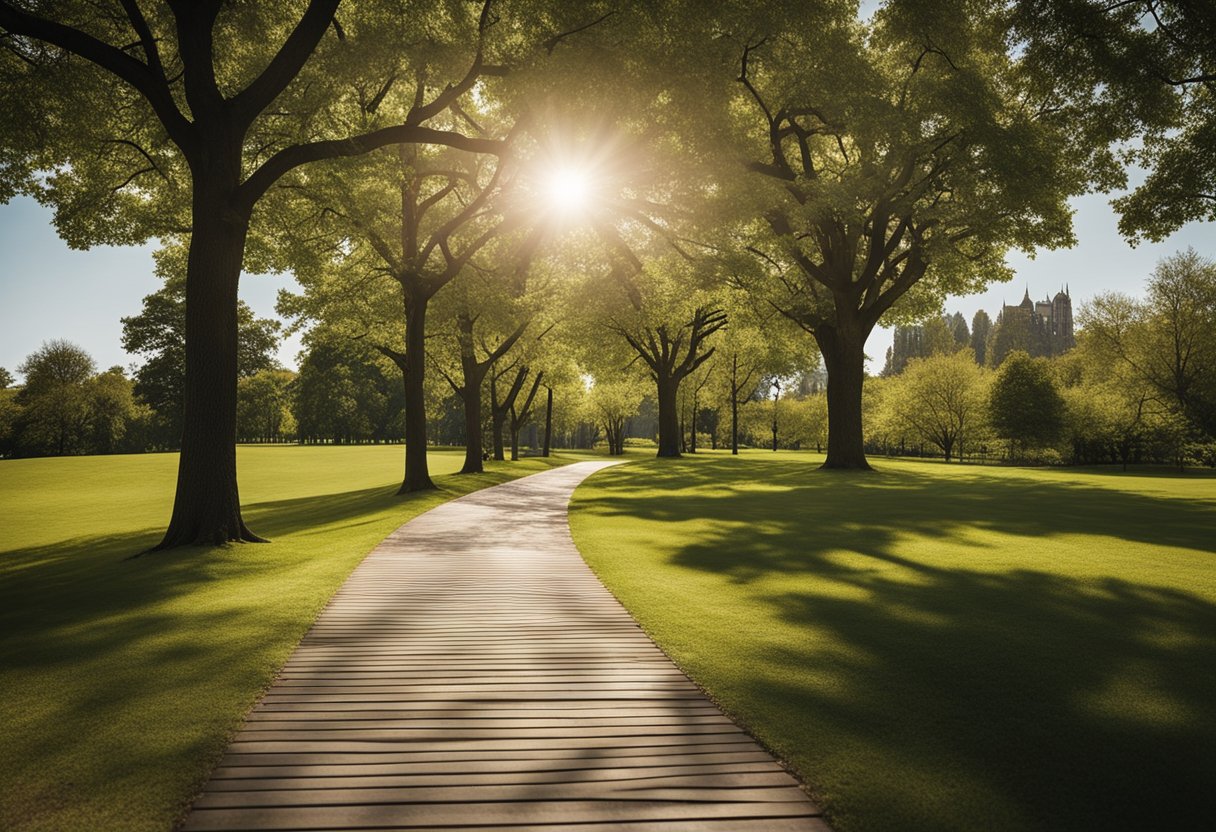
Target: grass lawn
x=937, y=647
x=120, y=679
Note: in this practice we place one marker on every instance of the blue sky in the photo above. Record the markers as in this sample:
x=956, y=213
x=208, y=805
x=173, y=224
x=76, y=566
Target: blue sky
x=49, y=291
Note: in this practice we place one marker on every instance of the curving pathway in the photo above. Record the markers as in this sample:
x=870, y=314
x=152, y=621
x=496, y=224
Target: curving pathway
x=473, y=673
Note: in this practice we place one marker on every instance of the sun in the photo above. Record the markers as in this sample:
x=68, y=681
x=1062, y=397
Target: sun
x=568, y=189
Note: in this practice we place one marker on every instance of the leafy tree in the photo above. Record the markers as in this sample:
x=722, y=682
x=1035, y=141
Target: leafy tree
x=6, y=378
x=56, y=397
x=611, y=403
x=958, y=327
x=981, y=326
x=345, y=393
x=1135, y=69
x=182, y=116
x=1024, y=405
x=416, y=219
x=672, y=351
x=112, y=408
x=157, y=334
x=477, y=355
x=1169, y=341
x=940, y=399
x=10, y=417
x=810, y=421
x=939, y=337
x=263, y=406
x=898, y=161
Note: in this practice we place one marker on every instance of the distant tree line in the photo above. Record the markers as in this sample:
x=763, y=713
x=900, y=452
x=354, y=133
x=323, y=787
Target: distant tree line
x=1140, y=386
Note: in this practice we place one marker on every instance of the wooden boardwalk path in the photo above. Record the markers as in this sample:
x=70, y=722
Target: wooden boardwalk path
x=474, y=674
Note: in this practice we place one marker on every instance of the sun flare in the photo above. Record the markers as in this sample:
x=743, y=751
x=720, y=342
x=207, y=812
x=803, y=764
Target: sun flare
x=568, y=189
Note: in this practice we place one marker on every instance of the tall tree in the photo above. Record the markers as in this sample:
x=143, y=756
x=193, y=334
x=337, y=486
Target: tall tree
x=890, y=164
x=418, y=220
x=182, y=117
x=981, y=325
x=672, y=351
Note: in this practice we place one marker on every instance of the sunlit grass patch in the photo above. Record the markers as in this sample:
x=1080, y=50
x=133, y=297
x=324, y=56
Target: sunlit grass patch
x=937, y=647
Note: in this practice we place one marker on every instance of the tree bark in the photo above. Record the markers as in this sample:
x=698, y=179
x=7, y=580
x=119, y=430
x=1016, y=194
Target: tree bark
x=692, y=434
x=417, y=475
x=471, y=397
x=207, y=506
x=734, y=426
x=548, y=423
x=843, y=353
x=669, y=417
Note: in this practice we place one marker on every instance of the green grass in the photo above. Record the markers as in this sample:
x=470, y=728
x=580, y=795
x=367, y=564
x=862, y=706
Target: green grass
x=121, y=679
x=937, y=647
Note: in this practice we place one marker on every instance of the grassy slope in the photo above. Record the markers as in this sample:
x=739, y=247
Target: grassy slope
x=932, y=647
x=120, y=680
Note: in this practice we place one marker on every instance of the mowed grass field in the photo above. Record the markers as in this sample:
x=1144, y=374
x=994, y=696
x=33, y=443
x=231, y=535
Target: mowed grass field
x=121, y=679
x=937, y=647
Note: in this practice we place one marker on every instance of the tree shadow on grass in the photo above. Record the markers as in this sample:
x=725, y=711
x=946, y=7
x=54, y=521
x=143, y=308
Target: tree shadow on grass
x=919, y=693
x=122, y=677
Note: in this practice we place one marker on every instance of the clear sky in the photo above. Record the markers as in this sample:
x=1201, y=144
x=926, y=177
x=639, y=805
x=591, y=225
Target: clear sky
x=50, y=291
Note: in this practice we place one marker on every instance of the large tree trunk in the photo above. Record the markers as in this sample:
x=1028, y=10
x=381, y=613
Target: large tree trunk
x=669, y=417
x=207, y=506
x=843, y=353
x=417, y=475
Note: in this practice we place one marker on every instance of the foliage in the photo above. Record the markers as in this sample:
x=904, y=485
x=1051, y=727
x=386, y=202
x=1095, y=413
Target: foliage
x=889, y=166
x=67, y=408
x=981, y=326
x=263, y=406
x=1025, y=406
x=1169, y=340
x=1139, y=70
x=610, y=404
x=941, y=399
x=6, y=378
x=345, y=393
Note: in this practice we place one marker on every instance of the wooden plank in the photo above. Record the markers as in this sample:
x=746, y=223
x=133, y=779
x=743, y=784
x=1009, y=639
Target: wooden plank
x=459, y=680
x=327, y=777
x=436, y=815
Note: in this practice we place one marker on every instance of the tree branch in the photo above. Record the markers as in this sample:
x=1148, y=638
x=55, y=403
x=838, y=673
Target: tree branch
x=287, y=62
x=299, y=154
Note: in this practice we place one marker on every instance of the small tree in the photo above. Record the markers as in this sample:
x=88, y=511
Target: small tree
x=611, y=404
x=1024, y=406
x=940, y=400
x=56, y=398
